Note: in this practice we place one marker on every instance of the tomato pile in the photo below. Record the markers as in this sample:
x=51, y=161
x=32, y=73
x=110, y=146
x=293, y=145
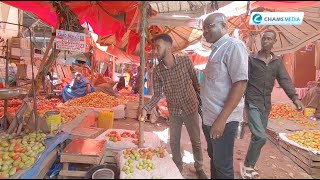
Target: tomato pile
x=44, y=105
x=69, y=113
x=285, y=111
x=306, y=138
x=100, y=100
x=306, y=123
x=13, y=106
x=114, y=136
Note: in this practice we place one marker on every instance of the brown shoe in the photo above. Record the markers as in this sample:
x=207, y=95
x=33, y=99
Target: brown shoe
x=201, y=174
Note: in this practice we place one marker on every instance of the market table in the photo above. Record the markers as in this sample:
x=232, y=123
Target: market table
x=151, y=140
x=307, y=159
x=276, y=126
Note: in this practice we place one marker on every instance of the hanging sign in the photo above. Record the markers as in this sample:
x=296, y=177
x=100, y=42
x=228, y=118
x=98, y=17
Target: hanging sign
x=70, y=41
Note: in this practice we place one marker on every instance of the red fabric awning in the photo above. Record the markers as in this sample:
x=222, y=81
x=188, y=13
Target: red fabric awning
x=42, y=9
x=88, y=11
x=283, y=4
x=102, y=23
x=122, y=56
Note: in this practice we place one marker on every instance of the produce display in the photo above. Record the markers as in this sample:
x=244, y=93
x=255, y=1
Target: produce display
x=306, y=123
x=100, y=100
x=125, y=91
x=44, y=105
x=142, y=159
x=69, y=113
x=114, y=136
x=285, y=111
x=13, y=106
x=19, y=152
x=306, y=138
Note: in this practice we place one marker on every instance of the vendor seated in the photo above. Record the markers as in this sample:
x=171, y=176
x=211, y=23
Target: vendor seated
x=105, y=85
x=79, y=87
x=312, y=99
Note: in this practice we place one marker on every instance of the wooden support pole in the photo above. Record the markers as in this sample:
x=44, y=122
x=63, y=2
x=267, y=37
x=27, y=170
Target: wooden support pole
x=142, y=21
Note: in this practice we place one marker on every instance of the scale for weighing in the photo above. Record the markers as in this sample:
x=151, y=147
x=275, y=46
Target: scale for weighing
x=5, y=94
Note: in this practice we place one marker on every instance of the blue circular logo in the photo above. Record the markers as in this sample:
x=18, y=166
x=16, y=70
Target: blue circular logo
x=257, y=18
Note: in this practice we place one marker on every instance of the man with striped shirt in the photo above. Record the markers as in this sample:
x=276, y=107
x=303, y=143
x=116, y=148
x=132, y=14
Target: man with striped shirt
x=176, y=77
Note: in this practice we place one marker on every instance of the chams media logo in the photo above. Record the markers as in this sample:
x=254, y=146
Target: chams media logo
x=257, y=18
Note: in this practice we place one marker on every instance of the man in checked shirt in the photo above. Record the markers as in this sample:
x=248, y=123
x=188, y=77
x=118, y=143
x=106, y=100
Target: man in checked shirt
x=176, y=77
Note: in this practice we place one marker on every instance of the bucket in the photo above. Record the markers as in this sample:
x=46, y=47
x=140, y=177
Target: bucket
x=53, y=119
x=105, y=119
x=103, y=173
x=309, y=111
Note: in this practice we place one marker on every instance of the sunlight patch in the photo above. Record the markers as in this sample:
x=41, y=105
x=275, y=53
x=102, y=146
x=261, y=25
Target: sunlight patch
x=187, y=157
x=163, y=135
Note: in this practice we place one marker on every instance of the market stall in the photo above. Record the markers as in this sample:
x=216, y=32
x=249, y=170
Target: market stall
x=296, y=136
x=88, y=116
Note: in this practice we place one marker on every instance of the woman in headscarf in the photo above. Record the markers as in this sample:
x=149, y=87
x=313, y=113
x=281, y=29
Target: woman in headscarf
x=79, y=87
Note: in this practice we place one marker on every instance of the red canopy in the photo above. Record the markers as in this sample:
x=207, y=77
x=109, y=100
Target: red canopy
x=101, y=22
x=42, y=9
x=283, y=4
x=122, y=56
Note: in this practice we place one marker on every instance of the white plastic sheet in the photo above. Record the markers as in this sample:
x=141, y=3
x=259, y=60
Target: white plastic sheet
x=284, y=137
x=165, y=168
x=151, y=140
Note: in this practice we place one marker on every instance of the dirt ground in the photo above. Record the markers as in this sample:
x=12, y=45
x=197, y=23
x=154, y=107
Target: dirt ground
x=272, y=163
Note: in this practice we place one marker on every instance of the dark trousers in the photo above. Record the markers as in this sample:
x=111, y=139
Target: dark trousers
x=220, y=151
x=258, y=122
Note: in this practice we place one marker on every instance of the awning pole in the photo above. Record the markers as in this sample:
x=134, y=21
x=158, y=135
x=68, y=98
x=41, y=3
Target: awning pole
x=142, y=22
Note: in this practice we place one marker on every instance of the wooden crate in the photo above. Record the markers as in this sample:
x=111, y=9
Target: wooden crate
x=308, y=161
x=67, y=72
x=17, y=42
x=272, y=136
x=109, y=157
x=60, y=72
x=86, y=132
x=81, y=151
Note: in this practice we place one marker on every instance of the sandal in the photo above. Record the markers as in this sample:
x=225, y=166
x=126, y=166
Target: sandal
x=248, y=172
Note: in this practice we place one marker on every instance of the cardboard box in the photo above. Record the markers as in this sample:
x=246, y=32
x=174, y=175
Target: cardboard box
x=23, y=43
x=18, y=52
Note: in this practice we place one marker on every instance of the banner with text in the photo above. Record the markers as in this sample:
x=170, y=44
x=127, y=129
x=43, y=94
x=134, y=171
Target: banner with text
x=70, y=41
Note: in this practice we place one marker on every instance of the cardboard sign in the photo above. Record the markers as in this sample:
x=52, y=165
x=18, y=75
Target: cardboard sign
x=70, y=41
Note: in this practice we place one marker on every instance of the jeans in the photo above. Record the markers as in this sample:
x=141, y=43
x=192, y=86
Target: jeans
x=220, y=151
x=191, y=122
x=258, y=122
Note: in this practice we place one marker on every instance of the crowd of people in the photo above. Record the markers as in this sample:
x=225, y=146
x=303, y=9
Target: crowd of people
x=233, y=79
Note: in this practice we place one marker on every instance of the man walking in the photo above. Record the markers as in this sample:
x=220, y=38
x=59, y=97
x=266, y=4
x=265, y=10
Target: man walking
x=264, y=68
x=224, y=84
x=176, y=77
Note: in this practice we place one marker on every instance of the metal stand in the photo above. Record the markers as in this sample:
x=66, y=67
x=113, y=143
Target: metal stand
x=22, y=109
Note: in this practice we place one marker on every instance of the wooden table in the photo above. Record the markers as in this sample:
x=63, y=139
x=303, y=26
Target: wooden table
x=306, y=160
x=81, y=151
x=276, y=126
